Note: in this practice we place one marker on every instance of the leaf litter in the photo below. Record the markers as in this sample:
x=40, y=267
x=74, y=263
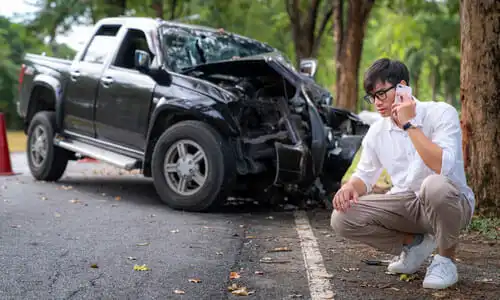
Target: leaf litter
x=238, y=290
x=234, y=275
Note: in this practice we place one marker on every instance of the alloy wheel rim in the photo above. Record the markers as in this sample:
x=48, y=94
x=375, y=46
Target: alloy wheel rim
x=185, y=167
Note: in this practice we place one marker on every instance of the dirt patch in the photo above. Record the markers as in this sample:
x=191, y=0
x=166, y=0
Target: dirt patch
x=478, y=266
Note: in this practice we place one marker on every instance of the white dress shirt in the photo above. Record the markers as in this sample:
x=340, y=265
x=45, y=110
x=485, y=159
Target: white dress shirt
x=389, y=147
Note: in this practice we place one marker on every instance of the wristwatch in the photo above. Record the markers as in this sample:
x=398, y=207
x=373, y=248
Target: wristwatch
x=407, y=126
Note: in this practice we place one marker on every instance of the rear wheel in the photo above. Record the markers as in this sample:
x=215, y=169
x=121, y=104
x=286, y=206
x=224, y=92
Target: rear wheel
x=46, y=161
x=192, y=166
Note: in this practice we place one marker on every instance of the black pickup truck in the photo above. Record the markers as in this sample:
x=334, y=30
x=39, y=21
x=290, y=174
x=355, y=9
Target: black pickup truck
x=206, y=113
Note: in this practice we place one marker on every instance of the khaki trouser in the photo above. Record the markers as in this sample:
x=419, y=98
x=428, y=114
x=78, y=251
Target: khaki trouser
x=383, y=220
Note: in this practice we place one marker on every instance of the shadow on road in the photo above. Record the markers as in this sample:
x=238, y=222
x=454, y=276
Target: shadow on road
x=141, y=191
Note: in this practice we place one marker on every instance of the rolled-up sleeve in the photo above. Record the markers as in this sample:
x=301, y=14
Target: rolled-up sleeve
x=447, y=135
x=369, y=167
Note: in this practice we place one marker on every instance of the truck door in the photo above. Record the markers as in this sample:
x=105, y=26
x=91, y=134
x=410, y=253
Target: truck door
x=124, y=96
x=84, y=76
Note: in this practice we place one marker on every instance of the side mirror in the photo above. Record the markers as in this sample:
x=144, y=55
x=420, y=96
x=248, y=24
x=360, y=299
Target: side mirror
x=142, y=60
x=308, y=66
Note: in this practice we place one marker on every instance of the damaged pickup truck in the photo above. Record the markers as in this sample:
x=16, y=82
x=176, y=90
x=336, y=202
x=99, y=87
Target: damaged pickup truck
x=207, y=114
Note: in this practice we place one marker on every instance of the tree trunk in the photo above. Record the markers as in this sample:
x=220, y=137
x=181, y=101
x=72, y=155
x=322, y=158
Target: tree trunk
x=415, y=86
x=480, y=98
x=307, y=26
x=349, y=47
x=157, y=6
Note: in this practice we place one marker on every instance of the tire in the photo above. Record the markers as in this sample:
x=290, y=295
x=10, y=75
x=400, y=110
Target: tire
x=53, y=165
x=217, y=166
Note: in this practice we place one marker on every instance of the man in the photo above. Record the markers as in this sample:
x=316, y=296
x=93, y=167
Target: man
x=419, y=144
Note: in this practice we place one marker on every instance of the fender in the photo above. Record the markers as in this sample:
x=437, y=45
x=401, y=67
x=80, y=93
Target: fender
x=172, y=111
x=55, y=86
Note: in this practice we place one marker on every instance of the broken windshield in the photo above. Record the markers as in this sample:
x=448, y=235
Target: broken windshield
x=186, y=47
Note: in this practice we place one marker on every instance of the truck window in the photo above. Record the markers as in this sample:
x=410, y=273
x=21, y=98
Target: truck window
x=134, y=40
x=102, y=44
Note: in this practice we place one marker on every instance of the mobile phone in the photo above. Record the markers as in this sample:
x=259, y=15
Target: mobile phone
x=400, y=90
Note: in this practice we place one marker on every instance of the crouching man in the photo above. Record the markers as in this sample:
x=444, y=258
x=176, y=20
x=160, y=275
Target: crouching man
x=419, y=144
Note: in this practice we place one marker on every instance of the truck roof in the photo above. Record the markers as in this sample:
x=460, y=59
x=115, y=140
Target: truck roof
x=141, y=22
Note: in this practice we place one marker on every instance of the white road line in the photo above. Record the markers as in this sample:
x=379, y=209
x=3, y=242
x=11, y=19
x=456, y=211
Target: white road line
x=320, y=286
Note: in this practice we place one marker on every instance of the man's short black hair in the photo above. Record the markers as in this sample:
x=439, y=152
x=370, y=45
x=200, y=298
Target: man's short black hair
x=385, y=70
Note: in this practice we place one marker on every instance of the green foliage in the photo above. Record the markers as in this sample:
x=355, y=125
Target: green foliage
x=424, y=34
x=488, y=227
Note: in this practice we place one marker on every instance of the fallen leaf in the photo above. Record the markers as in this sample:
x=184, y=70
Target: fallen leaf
x=280, y=249
x=194, y=280
x=74, y=201
x=141, y=268
x=234, y=275
x=233, y=287
x=407, y=277
x=132, y=258
x=118, y=198
x=250, y=236
x=142, y=244
x=179, y=292
x=174, y=231
x=94, y=266
x=240, y=292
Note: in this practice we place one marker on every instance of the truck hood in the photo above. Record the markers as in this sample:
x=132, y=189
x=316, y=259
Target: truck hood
x=269, y=64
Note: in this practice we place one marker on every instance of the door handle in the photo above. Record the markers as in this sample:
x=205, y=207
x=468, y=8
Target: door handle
x=75, y=75
x=107, y=81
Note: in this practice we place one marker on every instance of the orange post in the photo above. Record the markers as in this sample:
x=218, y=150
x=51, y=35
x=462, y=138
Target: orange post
x=5, y=164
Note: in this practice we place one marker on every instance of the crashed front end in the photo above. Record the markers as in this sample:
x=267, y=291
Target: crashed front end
x=292, y=144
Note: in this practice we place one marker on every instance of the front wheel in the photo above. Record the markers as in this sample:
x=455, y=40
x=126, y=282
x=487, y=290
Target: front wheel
x=192, y=166
x=46, y=161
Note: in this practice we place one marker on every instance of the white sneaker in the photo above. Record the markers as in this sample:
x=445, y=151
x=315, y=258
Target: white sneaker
x=441, y=274
x=412, y=258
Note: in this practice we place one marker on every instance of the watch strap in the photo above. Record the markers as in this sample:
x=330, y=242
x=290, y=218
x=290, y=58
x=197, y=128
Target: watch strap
x=407, y=126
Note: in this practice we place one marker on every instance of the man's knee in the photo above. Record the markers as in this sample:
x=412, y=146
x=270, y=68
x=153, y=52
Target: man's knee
x=339, y=223
x=437, y=190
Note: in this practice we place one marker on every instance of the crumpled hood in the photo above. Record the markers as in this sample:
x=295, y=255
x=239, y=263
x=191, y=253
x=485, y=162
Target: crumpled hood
x=259, y=65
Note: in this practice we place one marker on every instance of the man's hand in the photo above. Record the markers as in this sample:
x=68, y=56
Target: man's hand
x=343, y=197
x=405, y=110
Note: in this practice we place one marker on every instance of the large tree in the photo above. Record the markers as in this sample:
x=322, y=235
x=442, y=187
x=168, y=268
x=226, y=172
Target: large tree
x=349, y=34
x=308, y=20
x=480, y=97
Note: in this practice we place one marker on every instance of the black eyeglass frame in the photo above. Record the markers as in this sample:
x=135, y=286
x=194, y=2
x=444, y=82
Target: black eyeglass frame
x=381, y=94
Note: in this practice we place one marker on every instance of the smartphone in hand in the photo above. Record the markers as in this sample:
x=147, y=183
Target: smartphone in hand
x=401, y=90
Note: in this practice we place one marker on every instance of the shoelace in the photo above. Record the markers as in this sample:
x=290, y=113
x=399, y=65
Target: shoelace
x=441, y=273
x=402, y=256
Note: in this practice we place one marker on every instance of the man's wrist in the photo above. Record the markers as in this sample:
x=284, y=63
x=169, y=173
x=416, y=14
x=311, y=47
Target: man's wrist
x=408, y=125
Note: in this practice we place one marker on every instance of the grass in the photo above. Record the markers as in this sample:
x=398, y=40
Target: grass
x=486, y=227
x=16, y=141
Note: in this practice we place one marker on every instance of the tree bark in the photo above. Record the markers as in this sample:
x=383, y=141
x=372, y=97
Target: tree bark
x=349, y=47
x=157, y=6
x=480, y=98
x=307, y=27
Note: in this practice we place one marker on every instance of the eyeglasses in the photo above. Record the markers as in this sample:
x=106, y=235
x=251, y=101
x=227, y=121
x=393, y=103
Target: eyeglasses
x=380, y=94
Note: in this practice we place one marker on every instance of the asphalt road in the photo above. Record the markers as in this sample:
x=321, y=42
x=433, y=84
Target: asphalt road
x=80, y=238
